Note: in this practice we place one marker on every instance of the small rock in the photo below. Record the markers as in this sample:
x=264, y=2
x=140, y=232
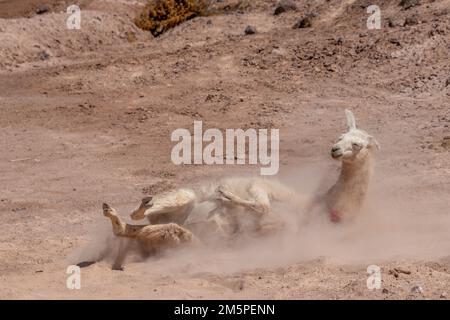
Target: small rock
x=385, y=291
x=43, y=8
x=446, y=143
x=407, y=4
x=393, y=272
x=411, y=21
x=447, y=82
x=305, y=22
x=417, y=289
x=443, y=295
x=285, y=5
x=250, y=30
x=395, y=41
x=400, y=270
x=339, y=41
x=43, y=55
x=391, y=23
x=330, y=67
x=277, y=52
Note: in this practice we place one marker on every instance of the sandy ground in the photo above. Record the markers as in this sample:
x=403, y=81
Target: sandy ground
x=86, y=117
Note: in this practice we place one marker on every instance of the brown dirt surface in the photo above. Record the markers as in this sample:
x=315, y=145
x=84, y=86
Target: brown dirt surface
x=86, y=117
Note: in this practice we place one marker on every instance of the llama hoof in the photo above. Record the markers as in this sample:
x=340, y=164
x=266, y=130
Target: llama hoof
x=225, y=195
x=139, y=213
x=108, y=211
x=146, y=202
x=85, y=264
x=117, y=268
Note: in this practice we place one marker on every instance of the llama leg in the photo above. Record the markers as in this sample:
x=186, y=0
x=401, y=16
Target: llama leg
x=139, y=213
x=259, y=203
x=124, y=247
x=173, y=207
x=153, y=212
x=117, y=225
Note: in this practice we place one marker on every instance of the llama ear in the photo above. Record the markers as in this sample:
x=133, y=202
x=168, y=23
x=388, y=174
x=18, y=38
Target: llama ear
x=373, y=143
x=351, y=122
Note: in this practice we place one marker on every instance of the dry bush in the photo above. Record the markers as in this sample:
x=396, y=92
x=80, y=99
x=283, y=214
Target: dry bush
x=161, y=15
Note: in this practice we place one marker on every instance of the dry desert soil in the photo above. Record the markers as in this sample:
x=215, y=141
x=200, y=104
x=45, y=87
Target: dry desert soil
x=86, y=117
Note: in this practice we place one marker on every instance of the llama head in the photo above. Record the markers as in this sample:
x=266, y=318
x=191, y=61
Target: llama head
x=353, y=145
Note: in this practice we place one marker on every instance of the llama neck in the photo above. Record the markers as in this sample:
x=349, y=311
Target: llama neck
x=358, y=171
x=349, y=192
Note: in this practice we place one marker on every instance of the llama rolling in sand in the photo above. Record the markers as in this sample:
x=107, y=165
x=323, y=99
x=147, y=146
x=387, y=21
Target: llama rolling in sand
x=151, y=239
x=238, y=205
x=234, y=206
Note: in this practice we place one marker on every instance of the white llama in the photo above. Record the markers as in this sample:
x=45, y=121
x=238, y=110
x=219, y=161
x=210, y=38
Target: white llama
x=344, y=200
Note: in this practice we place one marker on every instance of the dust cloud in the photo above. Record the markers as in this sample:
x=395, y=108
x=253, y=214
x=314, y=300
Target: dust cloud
x=396, y=223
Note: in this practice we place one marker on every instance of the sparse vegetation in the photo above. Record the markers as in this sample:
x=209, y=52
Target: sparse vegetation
x=160, y=15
